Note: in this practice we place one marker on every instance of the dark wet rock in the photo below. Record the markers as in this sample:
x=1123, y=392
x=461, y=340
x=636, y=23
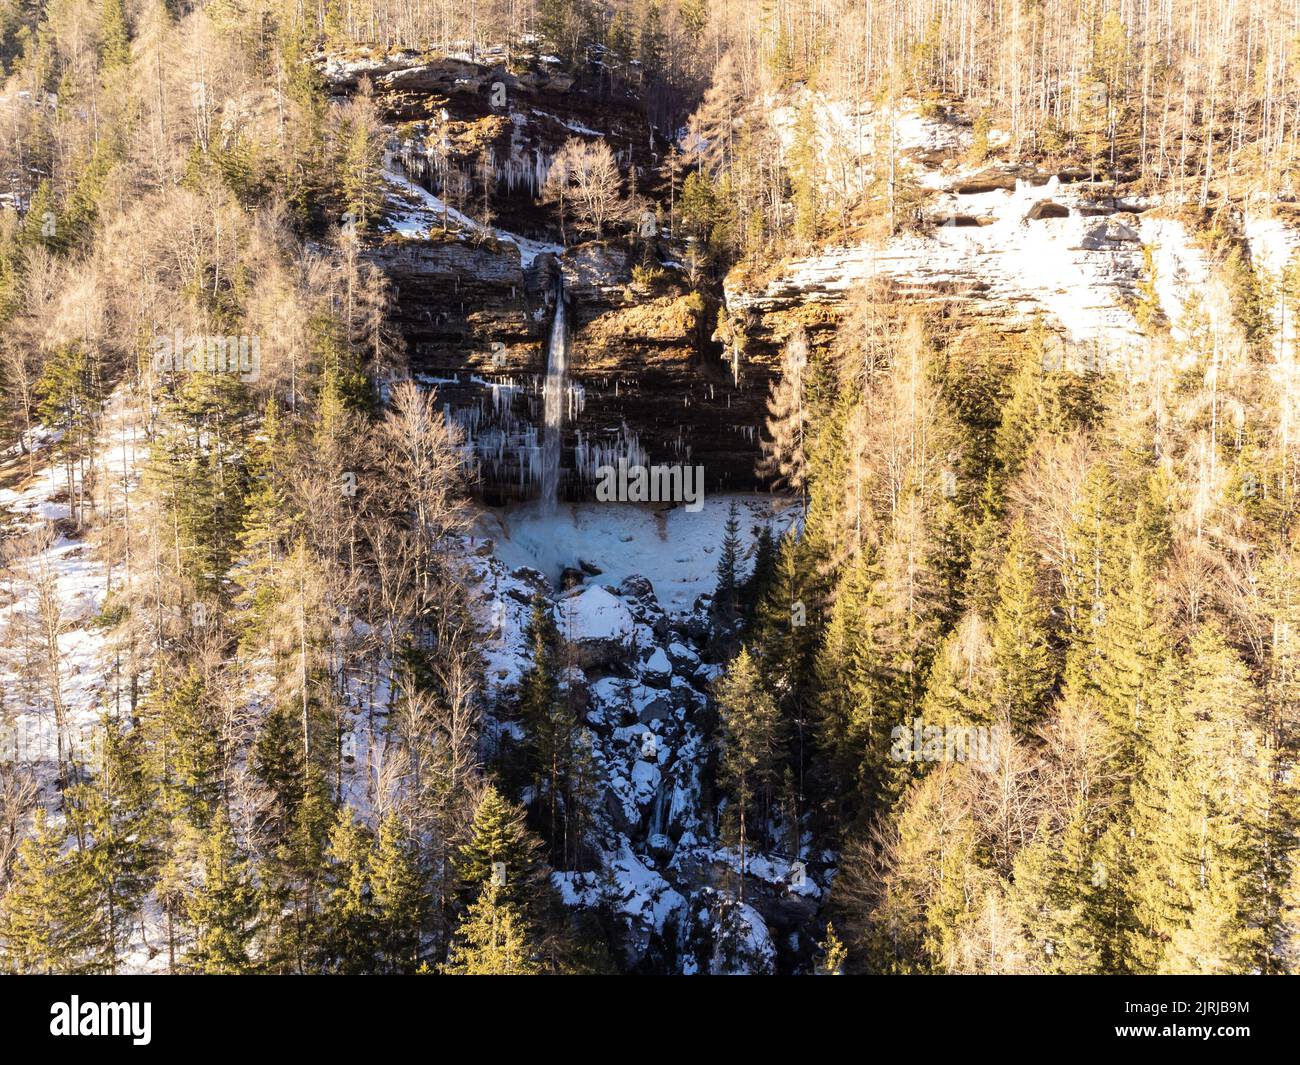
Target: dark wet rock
x=684, y=660
x=994, y=178
x=536, y=582
x=660, y=708
x=1047, y=209
x=636, y=587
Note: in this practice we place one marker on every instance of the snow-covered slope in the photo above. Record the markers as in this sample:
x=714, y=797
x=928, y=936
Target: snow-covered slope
x=58, y=579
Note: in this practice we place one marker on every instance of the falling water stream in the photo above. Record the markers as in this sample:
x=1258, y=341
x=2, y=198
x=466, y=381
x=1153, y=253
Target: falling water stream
x=553, y=400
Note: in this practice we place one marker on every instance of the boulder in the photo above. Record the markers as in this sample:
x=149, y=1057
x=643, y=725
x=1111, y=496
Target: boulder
x=660, y=708
x=657, y=670
x=660, y=846
x=597, y=625
x=1046, y=209
x=636, y=587
x=684, y=660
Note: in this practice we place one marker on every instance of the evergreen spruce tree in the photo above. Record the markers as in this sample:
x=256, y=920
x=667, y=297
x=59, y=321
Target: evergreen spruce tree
x=267, y=522
x=1061, y=894
x=196, y=467
x=987, y=549
x=41, y=224
x=786, y=627
x=1033, y=406
x=1198, y=799
x=751, y=745
x=1023, y=660
x=500, y=847
x=361, y=164
x=349, y=911
x=758, y=583
x=187, y=747
x=725, y=598
x=69, y=400
x=278, y=763
x=548, y=715
x=650, y=40
x=114, y=40
x=306, y=170
x=294, y=883
x=852, y=706
x=48, y=920
x=223, y=907
x=806, y=174
x=1100, y=544
x=493, y=939
x=1120, y=661
x=115, y=824
x=833, y=954
x=959, y=690
x=399, y=899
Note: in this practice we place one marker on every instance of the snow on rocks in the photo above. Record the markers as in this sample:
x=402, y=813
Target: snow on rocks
x=1272, y=242
x=1182, y=268
x=635, y=658
x=638, y=703
x=628, y=541
x=506, y=605
x=848, y=130
x=634, y=890
x=779, y=872
x=597, y=626
x=683, y=658
x=1079, y=270
x=657, y=670
x=414, y=211
x=594, y=613
x=1010, y=244
x=1272, y=245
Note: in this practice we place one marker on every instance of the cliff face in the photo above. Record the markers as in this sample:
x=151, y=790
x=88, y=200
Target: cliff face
x=474, y=302
x=641, y=364
x=999, y=246
x=1002, y=247
x=661, y=374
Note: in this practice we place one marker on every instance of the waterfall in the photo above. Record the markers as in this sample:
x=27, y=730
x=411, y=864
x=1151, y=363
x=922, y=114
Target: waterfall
x=553, y=399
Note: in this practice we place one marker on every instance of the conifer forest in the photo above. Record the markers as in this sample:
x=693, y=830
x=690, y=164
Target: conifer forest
x=671, y=487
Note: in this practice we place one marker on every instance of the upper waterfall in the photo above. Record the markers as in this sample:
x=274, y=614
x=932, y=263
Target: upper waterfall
x=553, y=398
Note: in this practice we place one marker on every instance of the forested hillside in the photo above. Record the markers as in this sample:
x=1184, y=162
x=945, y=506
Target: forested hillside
x=960, y=632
